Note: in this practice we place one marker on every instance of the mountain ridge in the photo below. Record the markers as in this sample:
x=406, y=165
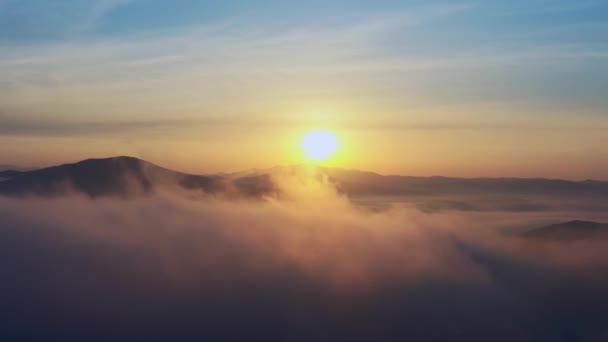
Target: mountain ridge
x=121, y=176
x=571, y=230
x=129, y=176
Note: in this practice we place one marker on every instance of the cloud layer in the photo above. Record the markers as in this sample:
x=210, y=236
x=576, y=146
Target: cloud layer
x=308, y=267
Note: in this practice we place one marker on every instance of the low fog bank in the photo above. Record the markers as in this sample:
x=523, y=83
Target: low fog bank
x=310, y=266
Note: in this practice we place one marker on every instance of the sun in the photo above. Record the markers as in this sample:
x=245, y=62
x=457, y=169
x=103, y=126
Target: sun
x=320, y=145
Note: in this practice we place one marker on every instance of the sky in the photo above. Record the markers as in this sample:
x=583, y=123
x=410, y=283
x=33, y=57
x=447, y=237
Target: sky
x=454, y=88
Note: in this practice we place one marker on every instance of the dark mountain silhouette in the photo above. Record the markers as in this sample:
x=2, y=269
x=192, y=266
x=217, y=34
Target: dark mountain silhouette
x=363, y=183
x=128, y=177
x=367, y=183
x=9, y=174
x=573, y=230
x=5, y=167
x=122, y=177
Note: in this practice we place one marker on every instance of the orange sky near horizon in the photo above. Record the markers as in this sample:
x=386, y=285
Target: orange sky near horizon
x=459, y=152
x=482, y=89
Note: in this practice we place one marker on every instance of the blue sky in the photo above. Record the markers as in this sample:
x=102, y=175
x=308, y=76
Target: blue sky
x=78, y=69
x=555, y=21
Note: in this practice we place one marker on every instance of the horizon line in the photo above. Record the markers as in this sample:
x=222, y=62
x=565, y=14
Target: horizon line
x=268, y=169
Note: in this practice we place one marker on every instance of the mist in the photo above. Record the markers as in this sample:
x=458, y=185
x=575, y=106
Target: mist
x=309, y=265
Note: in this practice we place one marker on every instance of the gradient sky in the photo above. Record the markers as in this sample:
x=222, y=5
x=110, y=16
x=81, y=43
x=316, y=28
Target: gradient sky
x=455, y=88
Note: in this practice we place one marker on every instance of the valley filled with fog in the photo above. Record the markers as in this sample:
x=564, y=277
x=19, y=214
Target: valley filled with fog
x=305, y=261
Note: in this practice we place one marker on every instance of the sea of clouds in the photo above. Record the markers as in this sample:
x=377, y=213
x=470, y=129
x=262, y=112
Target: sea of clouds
x=309, y=266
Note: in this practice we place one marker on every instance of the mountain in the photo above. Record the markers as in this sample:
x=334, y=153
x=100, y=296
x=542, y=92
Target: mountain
x=573, y=230
x=13, y=168
x=9, y=174
x=364, y=183
x=124, y=177
x=367, y=183
x=11, y=171
x=129, y=177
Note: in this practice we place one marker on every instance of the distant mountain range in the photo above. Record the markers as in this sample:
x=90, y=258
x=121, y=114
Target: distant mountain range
x=367, y=183
x=129, y=177
x=573, y=230
x=7, y=167
x=9, y=174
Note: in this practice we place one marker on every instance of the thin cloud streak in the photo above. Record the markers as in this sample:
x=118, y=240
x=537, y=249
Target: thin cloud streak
x=186, y=57
x=11, y=125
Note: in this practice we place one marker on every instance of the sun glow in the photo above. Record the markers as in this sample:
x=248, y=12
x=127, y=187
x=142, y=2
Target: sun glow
x=320, y=145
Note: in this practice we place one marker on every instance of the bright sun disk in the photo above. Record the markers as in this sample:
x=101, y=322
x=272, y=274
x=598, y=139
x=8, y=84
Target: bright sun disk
x=320, y=145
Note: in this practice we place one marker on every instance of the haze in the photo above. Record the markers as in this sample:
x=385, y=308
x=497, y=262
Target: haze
x=288, y=171
x=466, y=88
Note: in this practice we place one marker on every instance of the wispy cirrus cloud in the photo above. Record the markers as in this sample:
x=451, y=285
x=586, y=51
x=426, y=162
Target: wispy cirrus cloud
x=238, y=59
x=37, y=20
